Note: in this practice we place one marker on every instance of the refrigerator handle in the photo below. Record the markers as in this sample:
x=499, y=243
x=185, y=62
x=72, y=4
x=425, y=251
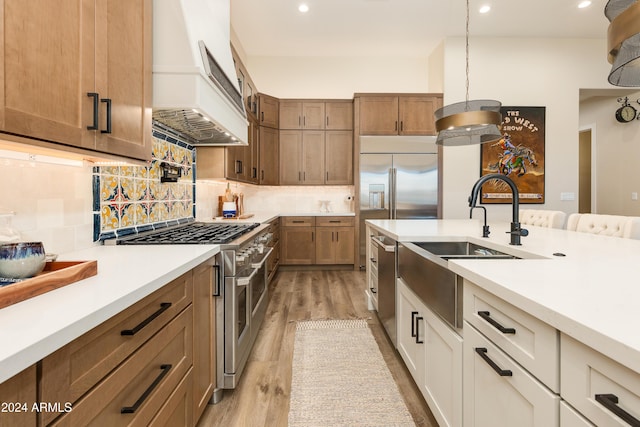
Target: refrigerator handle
x=395, y=193
x=392, y=191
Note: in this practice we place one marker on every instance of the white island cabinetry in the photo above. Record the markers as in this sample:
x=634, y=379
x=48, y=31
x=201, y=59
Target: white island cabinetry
x=432, y=352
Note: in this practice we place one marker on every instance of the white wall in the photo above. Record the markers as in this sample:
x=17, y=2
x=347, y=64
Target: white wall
x=336, y=77
x=617, y=150
x=523, y=72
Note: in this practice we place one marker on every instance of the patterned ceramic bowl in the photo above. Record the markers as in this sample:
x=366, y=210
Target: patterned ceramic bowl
x=21, y=260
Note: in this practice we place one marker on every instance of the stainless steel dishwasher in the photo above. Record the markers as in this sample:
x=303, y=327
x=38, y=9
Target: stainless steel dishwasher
x=386, y=249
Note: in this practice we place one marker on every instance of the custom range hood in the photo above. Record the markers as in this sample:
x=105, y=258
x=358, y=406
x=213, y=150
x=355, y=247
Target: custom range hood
x=195, y=87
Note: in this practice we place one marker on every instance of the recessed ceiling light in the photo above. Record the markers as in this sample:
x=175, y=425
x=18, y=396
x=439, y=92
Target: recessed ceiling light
x=303, y=8
x=584, y=4
x=484, y=9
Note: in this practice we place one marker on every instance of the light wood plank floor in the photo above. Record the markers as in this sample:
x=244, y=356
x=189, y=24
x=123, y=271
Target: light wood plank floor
x=262, y=396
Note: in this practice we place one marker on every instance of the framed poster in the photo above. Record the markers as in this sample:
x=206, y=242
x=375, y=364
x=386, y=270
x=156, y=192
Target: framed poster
x=519, y=154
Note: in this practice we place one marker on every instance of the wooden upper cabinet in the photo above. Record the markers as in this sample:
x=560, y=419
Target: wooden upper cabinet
x=58, y=53
x=47, y=70
x=339, y=157
x=398, y=114
x=296, y=114
x=316, y=114
x=416, y=114
x=269, y=111
x=379, y=115
x=123, y=77
x=269, y=157
x=339, y=115
x=302, y=160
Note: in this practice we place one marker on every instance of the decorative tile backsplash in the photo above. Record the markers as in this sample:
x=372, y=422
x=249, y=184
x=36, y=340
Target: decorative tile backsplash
x=130, y=199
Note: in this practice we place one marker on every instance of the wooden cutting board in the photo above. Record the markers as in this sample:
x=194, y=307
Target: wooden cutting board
x=55, y=275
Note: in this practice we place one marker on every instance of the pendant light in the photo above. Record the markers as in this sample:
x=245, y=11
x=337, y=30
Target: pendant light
x=468, y=122
x=623, y=42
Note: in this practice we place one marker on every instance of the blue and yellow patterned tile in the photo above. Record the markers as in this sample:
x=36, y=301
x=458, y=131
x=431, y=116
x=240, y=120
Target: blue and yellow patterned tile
x=187, y=173
x=128, y=171
x=177, y=153
x=109, y=186
x=142, y=172
x=140, y=190
x=127, y=215
x=109, y=219
x=127, y=188
x=110, y=170
x=142, y=213
x=154, y=170
x=159, y=212
x=161, y=150
x=189, y=192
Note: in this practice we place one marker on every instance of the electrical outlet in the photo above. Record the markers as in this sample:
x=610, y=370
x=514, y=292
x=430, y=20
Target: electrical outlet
x=634, y=196
x=567, y=196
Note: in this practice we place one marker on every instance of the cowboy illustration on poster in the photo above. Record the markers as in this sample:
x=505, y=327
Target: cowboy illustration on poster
x=519, y=154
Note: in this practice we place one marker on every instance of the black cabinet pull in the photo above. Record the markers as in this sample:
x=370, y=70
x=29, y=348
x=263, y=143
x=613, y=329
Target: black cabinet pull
x=108, y=102
x=401, y=125
x=337, y=236
x=418, y=319
x=163, y=307
x=147, y=392
x=610, y=401
x=298, y=221
x=373, y=260
x=396, y=128
x=262, y=174
x=262, y=115
x=413, y=323
x=335, y=221
x=216, y=270
x=502, y=372
x=373, y=291
x=95, y=96
x=254, y=173
x=487, y=316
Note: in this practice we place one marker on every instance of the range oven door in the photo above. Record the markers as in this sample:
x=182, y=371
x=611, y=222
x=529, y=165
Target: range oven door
x=245, y=307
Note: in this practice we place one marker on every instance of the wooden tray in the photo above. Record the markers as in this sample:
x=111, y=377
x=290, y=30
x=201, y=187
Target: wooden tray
x=55, y=275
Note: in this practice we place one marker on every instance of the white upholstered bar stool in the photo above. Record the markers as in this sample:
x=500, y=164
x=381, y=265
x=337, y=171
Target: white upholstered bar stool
x=542, y=218
x=608, y=225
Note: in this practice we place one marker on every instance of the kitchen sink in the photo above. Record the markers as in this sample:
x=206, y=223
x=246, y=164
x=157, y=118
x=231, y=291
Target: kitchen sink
x=462, y=250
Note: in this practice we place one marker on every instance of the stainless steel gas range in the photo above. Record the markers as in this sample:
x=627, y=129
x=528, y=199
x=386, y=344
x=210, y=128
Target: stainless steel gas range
x=242, y=291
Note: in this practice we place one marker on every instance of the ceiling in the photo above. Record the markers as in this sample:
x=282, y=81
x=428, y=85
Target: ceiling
x=401, y=27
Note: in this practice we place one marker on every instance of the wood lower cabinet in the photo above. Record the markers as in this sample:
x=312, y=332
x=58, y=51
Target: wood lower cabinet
x=205, y=281
x=98, y=53
x=334, y=240
x=297, y=236
x=317, y=240
x=17, y=398
x=389, y=114
x=152, y=364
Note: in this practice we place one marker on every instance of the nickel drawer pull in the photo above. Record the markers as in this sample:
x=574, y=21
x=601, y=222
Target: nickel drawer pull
x=413, y=323
x=217, y=279
x=147, y=392
x=610, y=401
x=502, y=372
x=487, y=316
x=418, y=319
x=163, y=307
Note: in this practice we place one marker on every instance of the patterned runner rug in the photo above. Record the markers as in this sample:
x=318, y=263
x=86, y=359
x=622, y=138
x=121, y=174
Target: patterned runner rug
x=340, y=378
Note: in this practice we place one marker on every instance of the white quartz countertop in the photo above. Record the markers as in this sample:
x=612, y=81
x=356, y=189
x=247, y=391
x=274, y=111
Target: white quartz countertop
x=591, y=293
x=34, y=328
x=263, y=217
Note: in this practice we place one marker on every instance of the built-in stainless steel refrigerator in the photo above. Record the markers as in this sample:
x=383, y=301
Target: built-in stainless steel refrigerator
x=398, y=180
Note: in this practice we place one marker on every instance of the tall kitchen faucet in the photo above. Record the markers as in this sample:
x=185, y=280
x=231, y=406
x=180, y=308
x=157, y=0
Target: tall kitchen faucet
x=516, y=229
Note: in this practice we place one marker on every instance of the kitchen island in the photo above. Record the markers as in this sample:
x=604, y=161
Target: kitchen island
x=581, y=285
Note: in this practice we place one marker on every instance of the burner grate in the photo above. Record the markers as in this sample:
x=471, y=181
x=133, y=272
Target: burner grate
x=191, y=234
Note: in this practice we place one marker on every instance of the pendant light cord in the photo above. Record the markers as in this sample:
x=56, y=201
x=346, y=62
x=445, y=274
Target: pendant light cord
x=467, y=57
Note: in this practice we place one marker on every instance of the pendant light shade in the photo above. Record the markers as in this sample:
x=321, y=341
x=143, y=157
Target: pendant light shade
x=468, y=122
x=623, y=42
